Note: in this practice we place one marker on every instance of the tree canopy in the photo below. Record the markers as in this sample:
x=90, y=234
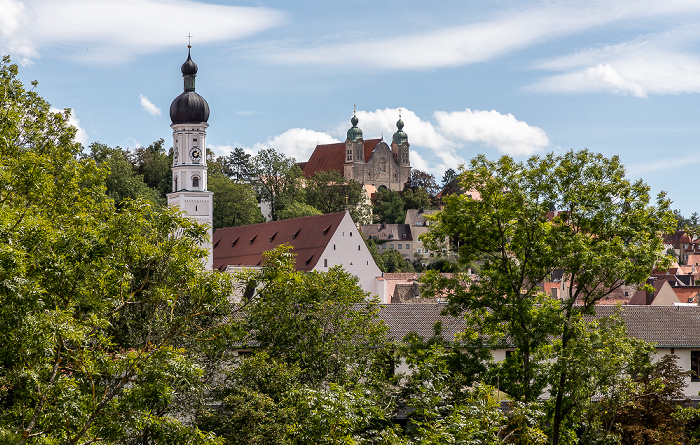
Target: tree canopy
x=605, y=234
x=99, y=304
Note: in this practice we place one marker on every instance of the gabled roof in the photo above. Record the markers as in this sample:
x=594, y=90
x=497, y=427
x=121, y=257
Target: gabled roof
x=668, y=326
x=244, y=245
x=418, y=215
x=328, y=157
x=387, y=232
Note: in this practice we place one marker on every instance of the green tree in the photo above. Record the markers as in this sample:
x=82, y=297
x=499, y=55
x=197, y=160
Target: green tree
x=450, y=183
x=122, y=181
x=388, y=207
x=607, y=234
x=317, y=341
x=237, y=165
x=277, y=179
x=330, y=192
x=296, y=209
x=422, y=180
x=416, y=199
x=155, y=166
x=235, y=203
x=100, y=306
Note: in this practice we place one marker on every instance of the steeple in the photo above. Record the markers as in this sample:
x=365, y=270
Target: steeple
x=189, y=71
x=354, y=133
x=189, y=113
x=189, y=107
x=400, y=138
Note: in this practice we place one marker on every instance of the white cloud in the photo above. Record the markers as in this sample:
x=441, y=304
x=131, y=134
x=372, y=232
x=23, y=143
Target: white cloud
x=501, y=131
x=110, y=31
x=81, y=135
x=521, y=26
x=298, y=143
x=435, y=145
x=149, y=106
x=654, y=64
x=449, y=133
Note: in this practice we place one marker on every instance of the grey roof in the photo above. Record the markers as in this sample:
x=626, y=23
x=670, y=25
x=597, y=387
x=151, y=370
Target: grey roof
x=387, y=232
x=667, y=326
x=418, y=215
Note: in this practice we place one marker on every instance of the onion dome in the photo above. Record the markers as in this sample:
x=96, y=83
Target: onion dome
x=189, y=107
x=354, y=133
x=400, y=137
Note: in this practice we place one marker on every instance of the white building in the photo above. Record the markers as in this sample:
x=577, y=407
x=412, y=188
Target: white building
x=319, y=242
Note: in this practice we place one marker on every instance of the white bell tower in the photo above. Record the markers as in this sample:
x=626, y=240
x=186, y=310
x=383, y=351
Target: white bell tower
x=189, y=113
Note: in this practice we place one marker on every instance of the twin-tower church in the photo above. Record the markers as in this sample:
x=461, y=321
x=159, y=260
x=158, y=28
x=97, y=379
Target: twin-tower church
x=371, y=162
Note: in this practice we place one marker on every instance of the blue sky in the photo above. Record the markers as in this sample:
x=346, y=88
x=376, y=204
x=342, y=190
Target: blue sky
x=494, y=77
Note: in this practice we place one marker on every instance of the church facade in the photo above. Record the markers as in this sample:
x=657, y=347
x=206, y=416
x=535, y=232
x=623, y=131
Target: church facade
x=369, y=162
x=189, y=113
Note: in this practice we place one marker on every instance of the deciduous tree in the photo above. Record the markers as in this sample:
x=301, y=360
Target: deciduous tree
x=605, y=235
x=99, y=305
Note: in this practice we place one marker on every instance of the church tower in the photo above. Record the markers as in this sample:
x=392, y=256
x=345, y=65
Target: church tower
x=189, y=113
x=399, y=145
x=354, y=144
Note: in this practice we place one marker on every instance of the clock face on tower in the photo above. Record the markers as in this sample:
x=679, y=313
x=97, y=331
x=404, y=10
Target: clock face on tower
x=196, y=154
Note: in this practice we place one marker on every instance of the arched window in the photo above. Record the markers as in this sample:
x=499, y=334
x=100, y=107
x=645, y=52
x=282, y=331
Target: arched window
x=382, y=165
x=195, y=181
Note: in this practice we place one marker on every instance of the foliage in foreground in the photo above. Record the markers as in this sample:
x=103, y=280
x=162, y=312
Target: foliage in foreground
x=99, y=305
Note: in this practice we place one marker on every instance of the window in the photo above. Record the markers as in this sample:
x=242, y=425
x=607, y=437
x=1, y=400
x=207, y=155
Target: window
x=325, y=263
x=350, y=233
x=358, y=247
x=426, y=251
x=195, y=181
x=408, y=247
x=384, y=246
x=391, y=236
x=418, y=250
x=400, y=246
x=382, y=165
x=403, y=236
x=391, y=245
x=695, y=366
x=333, y=246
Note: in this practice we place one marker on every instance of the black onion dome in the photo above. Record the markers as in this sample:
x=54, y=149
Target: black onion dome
x=189, y=108
x=189, y=67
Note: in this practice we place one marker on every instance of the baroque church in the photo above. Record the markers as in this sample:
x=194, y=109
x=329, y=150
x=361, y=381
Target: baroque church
x=369, y=162
x=189, y=113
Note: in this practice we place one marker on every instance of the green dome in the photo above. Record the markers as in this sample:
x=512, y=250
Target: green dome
x=400, y=138
x=354, y=133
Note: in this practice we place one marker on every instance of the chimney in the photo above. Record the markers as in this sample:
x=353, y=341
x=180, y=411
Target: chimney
x=650, y=295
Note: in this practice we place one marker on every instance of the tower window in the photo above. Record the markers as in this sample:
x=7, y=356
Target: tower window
x=195, y=181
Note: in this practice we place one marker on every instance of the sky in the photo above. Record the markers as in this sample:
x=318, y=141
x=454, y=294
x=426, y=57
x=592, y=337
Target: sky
x=500, y=77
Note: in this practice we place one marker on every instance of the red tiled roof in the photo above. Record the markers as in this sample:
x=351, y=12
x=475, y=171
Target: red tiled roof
x=328, y=157
x=244, y=245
